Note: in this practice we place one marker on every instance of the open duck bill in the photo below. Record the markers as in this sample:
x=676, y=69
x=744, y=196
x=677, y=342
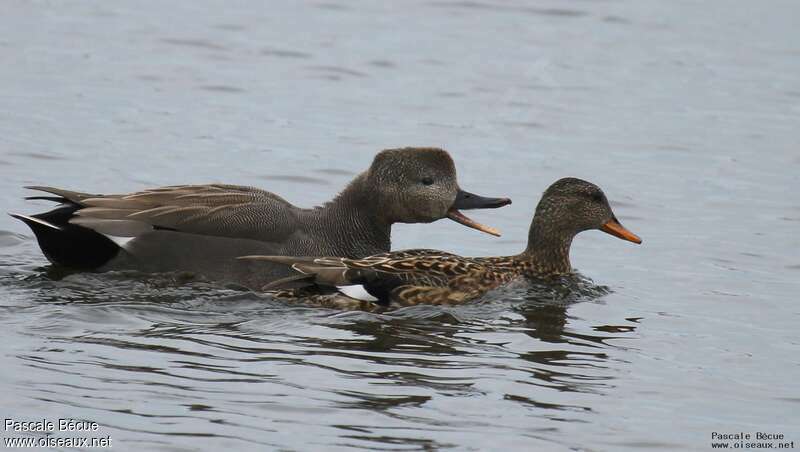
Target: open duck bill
x=614, y=228
x=466, y=201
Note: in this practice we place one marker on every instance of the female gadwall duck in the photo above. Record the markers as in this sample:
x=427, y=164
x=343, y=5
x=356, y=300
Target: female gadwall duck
x=403, y=278
x=203, y=228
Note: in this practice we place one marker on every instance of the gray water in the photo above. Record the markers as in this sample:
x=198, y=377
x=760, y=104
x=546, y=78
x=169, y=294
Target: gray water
x=686, y=113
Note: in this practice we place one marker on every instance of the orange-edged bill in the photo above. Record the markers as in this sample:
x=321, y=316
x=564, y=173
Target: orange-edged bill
x=614, y=228
x=459, y=217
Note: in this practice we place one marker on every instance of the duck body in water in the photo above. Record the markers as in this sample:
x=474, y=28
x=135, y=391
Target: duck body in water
x=203, y=228
x=423, y=276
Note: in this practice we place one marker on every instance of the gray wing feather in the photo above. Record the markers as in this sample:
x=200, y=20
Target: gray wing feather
x=117, y=228
x=216, y=209
x=104, y=213
x=74, y=196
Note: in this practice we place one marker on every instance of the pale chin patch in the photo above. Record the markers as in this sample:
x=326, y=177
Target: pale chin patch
x=356, y=291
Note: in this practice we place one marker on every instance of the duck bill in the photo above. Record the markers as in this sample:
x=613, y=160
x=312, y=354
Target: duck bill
x=614, y=228
x=466, y=201
x=459, y=217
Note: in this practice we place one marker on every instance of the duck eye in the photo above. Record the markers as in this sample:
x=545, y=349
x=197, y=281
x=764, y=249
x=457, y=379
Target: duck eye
x=597, y=197
x=427, y=180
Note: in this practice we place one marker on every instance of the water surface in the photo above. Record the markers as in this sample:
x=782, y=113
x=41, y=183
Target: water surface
x=686, y=113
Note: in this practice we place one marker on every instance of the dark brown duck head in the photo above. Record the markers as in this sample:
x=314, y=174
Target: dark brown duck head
x=569, y=206
x=419, y=185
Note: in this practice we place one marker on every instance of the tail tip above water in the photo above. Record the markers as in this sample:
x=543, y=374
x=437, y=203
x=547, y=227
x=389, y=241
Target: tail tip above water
x=30, y=221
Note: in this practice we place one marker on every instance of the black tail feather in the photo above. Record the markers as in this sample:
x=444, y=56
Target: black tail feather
x=57, y=199
x=66, y=244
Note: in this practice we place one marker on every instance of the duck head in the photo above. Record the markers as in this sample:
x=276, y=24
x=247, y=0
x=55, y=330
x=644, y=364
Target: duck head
x=569, y=206
x=573, y=205
x=419, y=185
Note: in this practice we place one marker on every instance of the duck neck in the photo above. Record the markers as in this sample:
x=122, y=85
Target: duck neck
x=548, y=248
x=353, y=223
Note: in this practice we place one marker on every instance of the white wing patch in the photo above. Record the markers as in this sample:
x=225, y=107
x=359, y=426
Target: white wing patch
x=121, y=242
x=356, y=291
x=121, y=232
x=117, y=228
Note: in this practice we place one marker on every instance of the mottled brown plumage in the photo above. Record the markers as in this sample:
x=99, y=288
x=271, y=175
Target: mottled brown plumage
x=419, y=276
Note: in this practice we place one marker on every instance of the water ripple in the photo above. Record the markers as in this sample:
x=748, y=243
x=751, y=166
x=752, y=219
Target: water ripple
x=257, y=364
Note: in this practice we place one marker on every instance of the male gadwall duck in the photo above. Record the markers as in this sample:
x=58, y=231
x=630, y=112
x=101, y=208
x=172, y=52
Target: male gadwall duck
x=404, y=278
x=203, y=228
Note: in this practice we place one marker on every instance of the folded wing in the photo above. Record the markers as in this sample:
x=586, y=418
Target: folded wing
x=214, y=209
